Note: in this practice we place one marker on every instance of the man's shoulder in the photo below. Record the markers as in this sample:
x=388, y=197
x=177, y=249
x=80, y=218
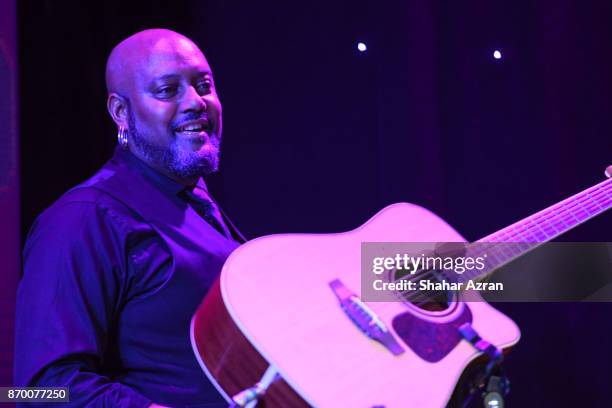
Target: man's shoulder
x=89, y=205
x=87, y=196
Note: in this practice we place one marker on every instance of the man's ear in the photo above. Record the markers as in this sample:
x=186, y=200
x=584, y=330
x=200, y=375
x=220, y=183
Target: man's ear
x=118, y=106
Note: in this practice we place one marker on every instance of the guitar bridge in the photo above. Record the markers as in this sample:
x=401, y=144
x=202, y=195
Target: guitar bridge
x=364, y=318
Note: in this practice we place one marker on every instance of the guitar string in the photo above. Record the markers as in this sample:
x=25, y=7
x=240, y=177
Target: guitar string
x=434, y=293
x=516, y=233
x=513, y=232
x=429, y=295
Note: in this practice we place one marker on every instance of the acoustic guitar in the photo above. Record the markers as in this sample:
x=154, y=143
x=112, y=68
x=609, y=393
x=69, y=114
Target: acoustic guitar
x=276, y=328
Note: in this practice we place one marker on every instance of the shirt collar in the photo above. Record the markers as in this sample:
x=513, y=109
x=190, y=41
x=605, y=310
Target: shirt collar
x=164, y=182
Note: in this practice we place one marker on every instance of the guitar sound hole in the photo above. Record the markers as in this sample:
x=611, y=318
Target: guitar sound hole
x=424, y=296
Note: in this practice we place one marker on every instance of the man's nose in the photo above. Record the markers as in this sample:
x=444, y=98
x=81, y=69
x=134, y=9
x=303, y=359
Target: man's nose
x=192, y=101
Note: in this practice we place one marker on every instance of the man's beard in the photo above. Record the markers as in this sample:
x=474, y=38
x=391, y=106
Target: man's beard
x=177, y=161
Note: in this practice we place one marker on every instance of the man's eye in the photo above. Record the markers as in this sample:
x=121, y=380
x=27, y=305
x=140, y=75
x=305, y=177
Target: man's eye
x=204, y=87
x=166, y=91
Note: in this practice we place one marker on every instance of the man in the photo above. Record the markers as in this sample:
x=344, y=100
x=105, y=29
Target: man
x=115, y=269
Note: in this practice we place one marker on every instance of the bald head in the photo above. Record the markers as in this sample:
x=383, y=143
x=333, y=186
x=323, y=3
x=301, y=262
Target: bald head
x=161, y=89
x=136, y=53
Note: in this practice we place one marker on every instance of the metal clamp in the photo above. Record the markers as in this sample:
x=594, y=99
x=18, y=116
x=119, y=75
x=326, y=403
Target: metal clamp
x=248, y=398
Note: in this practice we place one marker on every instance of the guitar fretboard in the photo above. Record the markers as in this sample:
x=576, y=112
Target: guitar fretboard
x=539, y=228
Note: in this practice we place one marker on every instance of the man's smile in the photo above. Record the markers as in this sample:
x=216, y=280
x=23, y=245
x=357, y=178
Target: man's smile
x=195, y=130
x=194, y=126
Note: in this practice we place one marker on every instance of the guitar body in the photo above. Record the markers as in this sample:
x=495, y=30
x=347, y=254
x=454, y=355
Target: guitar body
x=273, y=306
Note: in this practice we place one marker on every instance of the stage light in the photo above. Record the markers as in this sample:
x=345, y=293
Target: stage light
x=497, y=54
x=361, y=47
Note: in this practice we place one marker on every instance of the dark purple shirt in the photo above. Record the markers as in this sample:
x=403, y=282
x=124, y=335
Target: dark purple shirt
x=113, y=273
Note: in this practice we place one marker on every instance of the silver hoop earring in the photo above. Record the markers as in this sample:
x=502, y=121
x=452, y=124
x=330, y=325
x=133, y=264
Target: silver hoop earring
x=122, y=137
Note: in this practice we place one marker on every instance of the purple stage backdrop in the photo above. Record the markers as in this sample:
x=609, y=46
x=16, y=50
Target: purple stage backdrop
x=9, y=187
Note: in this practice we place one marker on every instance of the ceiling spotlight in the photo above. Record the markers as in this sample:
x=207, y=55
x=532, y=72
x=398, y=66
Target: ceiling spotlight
x=361, y=47
x=497, y=54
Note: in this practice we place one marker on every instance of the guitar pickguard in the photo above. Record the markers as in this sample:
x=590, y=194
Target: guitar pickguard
x=430, y=340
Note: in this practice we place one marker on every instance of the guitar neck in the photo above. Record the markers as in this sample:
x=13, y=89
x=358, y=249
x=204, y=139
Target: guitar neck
x=525, y=235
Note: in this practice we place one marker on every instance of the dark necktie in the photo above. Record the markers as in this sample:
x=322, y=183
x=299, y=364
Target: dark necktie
x=201, y=202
